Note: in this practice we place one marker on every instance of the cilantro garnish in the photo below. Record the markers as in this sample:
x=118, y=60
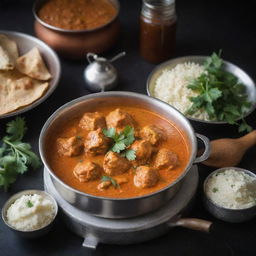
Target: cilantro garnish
x=113, y=181
x=121, y=141
x=15, y=155
x=214, y=190
x=221, y=95
x=29, y=204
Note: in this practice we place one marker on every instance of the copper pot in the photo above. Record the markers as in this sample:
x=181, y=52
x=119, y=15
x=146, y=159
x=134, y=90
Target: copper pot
x=74, y=44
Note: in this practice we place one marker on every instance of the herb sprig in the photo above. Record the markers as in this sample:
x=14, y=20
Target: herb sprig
x=221, y=95
x=121, y=141
x=113, y=181
x=29, y=204
x=15, y=156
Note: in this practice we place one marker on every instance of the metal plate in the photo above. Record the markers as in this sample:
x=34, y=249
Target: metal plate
x=25, y=43
x=228, y=66
x=125, y=231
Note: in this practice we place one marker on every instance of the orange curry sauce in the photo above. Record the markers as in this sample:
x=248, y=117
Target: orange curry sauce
x=63, y=166
x=77, y=14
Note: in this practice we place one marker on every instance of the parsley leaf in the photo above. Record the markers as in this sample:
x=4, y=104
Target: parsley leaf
x=15, y=156
x=220, y=94
x=16, y=129
x=121, y=141
x=29, y=204
x=113, y=181
x=130, y=154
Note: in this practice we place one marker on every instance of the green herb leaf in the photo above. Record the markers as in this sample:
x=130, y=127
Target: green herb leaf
x=121, y=141
x=15, y=156
x=130, y=154
x=16, y=129
x=220, y=94
x=214, y=190
x=110, y=133
x=118, y=147
x=113, y=181
x=29, y=204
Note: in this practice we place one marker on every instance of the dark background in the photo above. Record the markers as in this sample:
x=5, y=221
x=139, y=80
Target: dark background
x=203, y=27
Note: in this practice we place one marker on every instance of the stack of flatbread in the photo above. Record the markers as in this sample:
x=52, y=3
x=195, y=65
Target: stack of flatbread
x=23, y=79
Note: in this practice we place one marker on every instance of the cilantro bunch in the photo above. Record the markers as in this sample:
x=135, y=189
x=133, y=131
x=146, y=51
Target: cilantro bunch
x=121, y=141
x=221, y=95
x=15, y=156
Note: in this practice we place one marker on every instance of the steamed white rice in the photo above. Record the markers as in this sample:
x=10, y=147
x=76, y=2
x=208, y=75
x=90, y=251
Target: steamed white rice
x=171, y=87
x=232, y=189
x=30, y=212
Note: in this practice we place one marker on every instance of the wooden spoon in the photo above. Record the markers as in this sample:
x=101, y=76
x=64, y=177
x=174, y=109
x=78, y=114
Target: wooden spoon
x=229, y=152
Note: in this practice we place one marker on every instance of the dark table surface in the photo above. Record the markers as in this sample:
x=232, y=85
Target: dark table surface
x=203, y=27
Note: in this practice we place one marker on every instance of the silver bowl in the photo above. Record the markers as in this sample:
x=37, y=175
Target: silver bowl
x=37, y=232
x=227, y=214
x=227, y=66
x=26, y=43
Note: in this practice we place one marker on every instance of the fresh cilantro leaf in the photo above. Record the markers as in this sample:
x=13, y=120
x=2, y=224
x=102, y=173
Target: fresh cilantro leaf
x=121, y=140
x=214, y=190
x=29, y=204
x=118, y=147
x=113, y=181
x=110, y=133
x=16, y=129
x=130, y=154
x=244, y=127
x=15, y=156
x=220, y=94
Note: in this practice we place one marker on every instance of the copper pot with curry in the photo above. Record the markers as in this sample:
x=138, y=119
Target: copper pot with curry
x=74, y=28
x=118, y=154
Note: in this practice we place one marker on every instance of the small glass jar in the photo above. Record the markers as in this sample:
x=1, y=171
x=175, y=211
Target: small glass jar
x=157, y=30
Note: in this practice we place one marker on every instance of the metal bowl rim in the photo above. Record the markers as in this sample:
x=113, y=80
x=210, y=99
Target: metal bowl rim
x=15, y=196
x=221, y=170
x=50, y=90
x=168, y=62
x=115, y=94
x=35, y=9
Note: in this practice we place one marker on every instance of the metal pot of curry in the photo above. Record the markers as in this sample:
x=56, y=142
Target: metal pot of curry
x=118, y=154
x=74, y=28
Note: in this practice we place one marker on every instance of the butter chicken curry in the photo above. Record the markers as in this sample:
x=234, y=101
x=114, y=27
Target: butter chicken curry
x=118, y=152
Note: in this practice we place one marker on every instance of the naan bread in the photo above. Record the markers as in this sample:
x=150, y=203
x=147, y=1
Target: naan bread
x=8, y=53
x=32, y=65
x=17, y=90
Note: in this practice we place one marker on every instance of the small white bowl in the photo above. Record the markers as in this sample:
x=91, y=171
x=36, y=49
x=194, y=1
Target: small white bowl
x=227, y=214
x=33, y=233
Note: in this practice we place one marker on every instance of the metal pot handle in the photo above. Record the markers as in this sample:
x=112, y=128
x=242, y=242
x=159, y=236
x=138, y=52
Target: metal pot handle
x=207, y=150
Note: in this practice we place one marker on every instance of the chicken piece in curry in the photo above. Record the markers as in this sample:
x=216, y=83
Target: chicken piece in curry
x=119, y=152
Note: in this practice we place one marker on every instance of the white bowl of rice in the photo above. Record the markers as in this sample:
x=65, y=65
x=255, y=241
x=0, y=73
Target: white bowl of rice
x=168, y=82
x=30, y=213
x=230, y=194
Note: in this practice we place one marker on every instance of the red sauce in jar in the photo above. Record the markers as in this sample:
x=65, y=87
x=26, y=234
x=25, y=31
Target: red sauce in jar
x=157, y=35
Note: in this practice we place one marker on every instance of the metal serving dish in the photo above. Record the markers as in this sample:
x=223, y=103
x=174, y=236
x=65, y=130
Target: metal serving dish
x=112, y=207
x=37, y=232
x=74, y=44
x=227, y=214
x=228, y=66
x=26, y=43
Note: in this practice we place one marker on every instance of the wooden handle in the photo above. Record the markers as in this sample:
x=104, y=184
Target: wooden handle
x=249, y=139
x=193, y=223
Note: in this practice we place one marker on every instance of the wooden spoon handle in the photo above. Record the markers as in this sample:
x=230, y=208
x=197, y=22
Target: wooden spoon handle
x=192, y=223
x=248, y=140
